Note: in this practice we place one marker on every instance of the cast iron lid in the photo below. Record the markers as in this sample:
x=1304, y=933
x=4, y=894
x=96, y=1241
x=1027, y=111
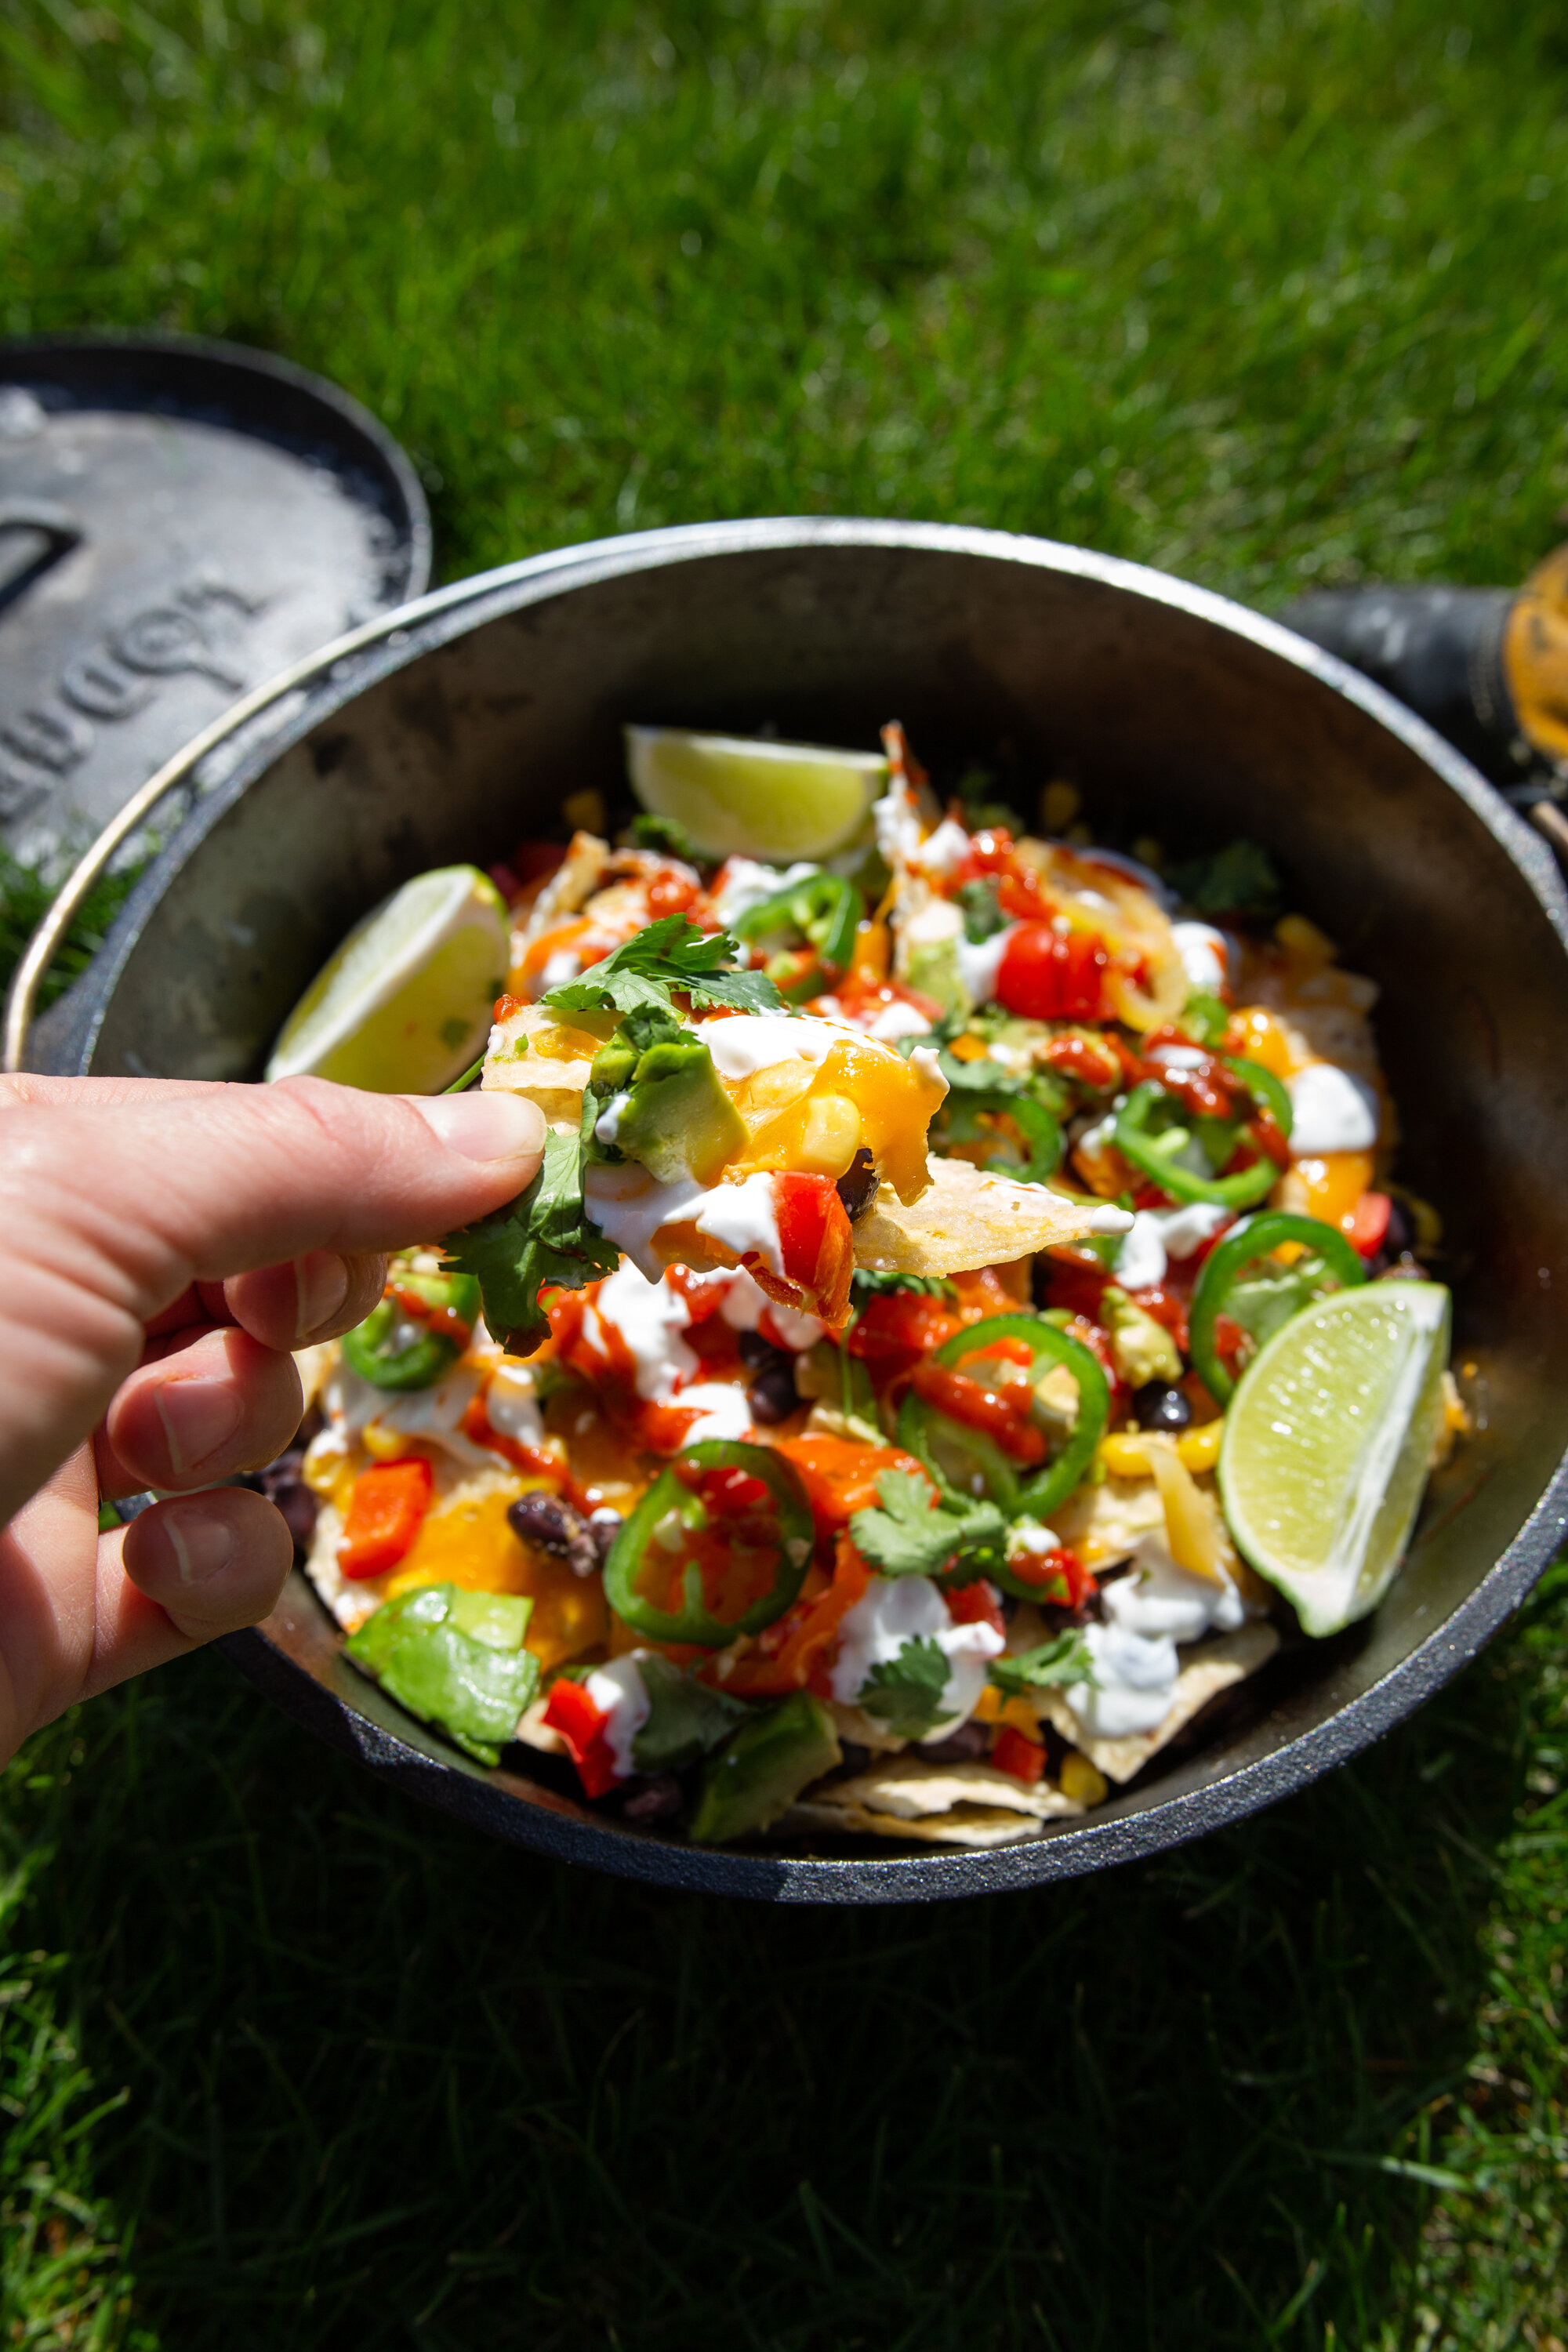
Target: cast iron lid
x=178, y=520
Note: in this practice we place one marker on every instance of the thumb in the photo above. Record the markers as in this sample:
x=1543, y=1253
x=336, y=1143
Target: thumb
x=112, y=1205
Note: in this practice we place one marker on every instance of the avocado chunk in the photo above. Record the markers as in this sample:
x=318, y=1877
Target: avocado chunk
x=454, y=1659
x=665, y=1105
x=1141, y=1348
x=763, y=1770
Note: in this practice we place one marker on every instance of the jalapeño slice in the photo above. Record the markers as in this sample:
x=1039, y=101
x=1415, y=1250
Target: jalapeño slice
x=983, y=1114
x=418, y=1330
x=822, y=911
x=1007, y=1463
x=719, y=1546
x=1153, y=1130
x=1235, y=1280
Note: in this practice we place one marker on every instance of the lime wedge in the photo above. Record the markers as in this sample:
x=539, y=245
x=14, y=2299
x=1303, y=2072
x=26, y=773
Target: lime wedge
x=405, y=1005
x=736, y=797
x=1326, y=1445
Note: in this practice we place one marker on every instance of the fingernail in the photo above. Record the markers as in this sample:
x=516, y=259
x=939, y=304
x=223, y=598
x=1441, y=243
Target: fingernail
x=197, y=1416
x=484, y=1126
x=202, y=1543
x=321, y=1286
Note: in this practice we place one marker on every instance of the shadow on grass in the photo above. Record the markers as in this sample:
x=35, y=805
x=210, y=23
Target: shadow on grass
x=385, y=2082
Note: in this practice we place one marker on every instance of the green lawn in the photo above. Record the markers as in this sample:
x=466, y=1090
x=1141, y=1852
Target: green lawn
x=1272, y=295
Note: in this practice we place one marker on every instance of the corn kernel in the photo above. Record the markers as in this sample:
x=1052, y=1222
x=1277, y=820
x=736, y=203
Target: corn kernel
x=989, y=1705
x=1079, y=1781
x=830, y=1137
x=1125, y=1457
x=1198, y=1449
x=1018, y=1712
x=386, y=1445
x=330, y=1474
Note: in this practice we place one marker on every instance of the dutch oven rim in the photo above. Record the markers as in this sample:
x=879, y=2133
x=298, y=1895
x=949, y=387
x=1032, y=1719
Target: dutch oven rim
x=344, y=670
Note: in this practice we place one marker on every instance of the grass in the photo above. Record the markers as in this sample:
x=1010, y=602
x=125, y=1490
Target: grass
x=1272, y=296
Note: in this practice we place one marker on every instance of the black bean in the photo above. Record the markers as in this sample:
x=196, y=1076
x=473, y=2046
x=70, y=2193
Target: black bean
x=299, y=1507
x=756, y=1351
x=1397, y=1243
x=603, y=1525
x=554, y=1526
x=1158, y=1405
x=857, y=1188
x=961, y=1747
x=772, y=1396
x=655, y=1801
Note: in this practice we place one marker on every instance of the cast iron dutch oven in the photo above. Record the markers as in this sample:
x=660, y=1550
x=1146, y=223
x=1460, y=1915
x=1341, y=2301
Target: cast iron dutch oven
x=462, y=723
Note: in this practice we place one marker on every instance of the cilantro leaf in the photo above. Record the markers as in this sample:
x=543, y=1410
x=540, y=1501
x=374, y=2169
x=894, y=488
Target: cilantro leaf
x=664, y=836
x=1238, y=880
x=982, y=916
x=667, y=958
x=1064, y=1660
x=544, y=1238
x=878, y=1282
x=905, y=1692
x=917, y=1533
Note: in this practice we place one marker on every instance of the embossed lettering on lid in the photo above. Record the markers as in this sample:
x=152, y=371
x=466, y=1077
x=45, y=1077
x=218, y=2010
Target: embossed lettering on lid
x=178, y=520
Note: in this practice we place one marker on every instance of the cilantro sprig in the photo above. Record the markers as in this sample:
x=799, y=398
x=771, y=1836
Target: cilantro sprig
x=917, y=1532
x=667, y=959
x=545, y=1238
x=1064, y=1659
x=904, y=1693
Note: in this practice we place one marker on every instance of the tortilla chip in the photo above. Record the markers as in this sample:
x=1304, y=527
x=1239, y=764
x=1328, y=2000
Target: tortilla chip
x=913, y=1787
x=546, y=1056
x=963, y=1220
x=570, y=885
x=1210, y=1668
x=970, y=1825
x=1104, y=1525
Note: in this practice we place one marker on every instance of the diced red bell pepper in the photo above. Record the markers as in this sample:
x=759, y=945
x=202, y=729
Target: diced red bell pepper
x=388, y=1502
x=816, y=1247
x=1369, y=1222
x=728, y=1494
x=900, y=1323
x=979, y=1603
x=1056, y=1575
x=570, y=1711
x=1021, y=1758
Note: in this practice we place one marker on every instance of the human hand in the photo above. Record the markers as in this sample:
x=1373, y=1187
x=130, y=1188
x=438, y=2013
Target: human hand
x=162, y=1248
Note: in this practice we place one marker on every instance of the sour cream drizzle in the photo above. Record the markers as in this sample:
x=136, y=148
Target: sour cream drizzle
x=896, y=1610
